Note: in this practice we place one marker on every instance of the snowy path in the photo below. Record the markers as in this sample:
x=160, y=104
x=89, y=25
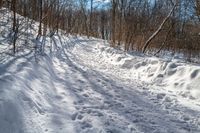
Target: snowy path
x=78, y=91
x=137, y=107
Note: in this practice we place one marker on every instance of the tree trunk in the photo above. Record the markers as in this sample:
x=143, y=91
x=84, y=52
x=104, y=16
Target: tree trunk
x=114, y=5
x=1, y=3
x=40, y=19
x=13, y=6
x=147, y=43
x=91, y=15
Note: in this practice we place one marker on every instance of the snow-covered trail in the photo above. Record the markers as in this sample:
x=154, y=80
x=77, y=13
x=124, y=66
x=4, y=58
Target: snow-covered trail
x=77, y=90
x=121, y=103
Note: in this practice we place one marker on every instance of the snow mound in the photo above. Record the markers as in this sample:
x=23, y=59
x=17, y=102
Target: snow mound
x=174, y=75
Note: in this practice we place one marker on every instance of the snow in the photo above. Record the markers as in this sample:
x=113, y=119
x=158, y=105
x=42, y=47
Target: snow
x=84, y=86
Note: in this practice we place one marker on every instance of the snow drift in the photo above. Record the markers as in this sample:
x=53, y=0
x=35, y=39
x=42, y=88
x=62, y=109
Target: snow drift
x=174, y=74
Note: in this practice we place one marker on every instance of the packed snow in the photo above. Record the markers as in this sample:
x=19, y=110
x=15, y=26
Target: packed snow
x=81, y=85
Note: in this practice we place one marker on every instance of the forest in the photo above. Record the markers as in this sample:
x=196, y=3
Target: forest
x=149, y=26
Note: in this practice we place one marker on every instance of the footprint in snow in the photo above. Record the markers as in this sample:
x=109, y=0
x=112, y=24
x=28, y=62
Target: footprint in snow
x=81, y=81
x=80, y=89
x=86, y=125
x=76, y=116
x=80, y=117
x=73, y=116
x=161, y=95
x=98, y=80
x=79, y=102
x=85, y=95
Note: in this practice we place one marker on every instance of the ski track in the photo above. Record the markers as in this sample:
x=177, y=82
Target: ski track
x=92, y=96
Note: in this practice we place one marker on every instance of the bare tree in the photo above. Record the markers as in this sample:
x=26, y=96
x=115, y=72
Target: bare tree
x=14, y=26
x=147, y=43
x=40, y=19
x=114, y=8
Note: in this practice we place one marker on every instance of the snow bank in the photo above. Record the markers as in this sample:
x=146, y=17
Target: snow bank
x=33, y=98
x=173, y=75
